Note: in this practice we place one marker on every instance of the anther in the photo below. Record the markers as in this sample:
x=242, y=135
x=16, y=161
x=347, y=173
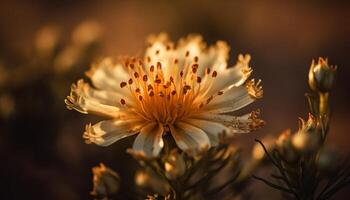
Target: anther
x=122, y=84
x=122, y=101
x=144, y=78
x=209, y=99
x=137, y=90
x=207, y=70
x=220, y=93
x=199, y=79
x=159, y=65
x=196, y=59
x=173, y=92
x=130, y=81
x=136, y=75
x=176, y=61
x=148, y=59
x=181, y=73
x=158, y=81
x=214, y=74
x=157, y=52
x=187, y=53
x=151, y=68
x=151, y=94
x=140, y=98
x=150, y=87
x=132, y=65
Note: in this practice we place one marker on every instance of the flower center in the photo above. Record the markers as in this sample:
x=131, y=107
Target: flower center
x=167, y=94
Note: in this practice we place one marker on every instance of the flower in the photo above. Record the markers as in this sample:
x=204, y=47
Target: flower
x=322, y=75
x=106, y=181
x=185, y=90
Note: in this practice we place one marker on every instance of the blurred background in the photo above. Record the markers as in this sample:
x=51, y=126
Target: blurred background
x=47, y=45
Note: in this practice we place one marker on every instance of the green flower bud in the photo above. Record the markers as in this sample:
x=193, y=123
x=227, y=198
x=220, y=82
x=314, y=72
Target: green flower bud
x=322, y=76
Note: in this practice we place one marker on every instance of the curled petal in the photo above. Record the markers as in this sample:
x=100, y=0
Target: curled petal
x=85, y=99
x=106, y=132
x=149, y=142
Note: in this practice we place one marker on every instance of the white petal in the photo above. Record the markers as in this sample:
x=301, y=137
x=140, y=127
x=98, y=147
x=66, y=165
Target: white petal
x=107, y=76
x=215, y=57
x=106, y=132
x=237, y=124
x=231, y=77
x=149, y=141
x=212, y=129
x=189, y=138
x=235, y=98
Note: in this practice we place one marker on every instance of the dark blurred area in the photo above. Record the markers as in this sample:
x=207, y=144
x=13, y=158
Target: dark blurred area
x=43, y=155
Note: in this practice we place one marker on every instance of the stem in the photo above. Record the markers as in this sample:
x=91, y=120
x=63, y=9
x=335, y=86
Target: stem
x=323, y=103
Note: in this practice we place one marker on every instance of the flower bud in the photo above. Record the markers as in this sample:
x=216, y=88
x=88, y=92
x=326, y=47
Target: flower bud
x=305, y=142
x=175, y=165
x=106, y=181
x=285, y=147
x=322, y=76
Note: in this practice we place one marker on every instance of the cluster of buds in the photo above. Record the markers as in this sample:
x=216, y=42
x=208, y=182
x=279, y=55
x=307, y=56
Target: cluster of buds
x=302, y=160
